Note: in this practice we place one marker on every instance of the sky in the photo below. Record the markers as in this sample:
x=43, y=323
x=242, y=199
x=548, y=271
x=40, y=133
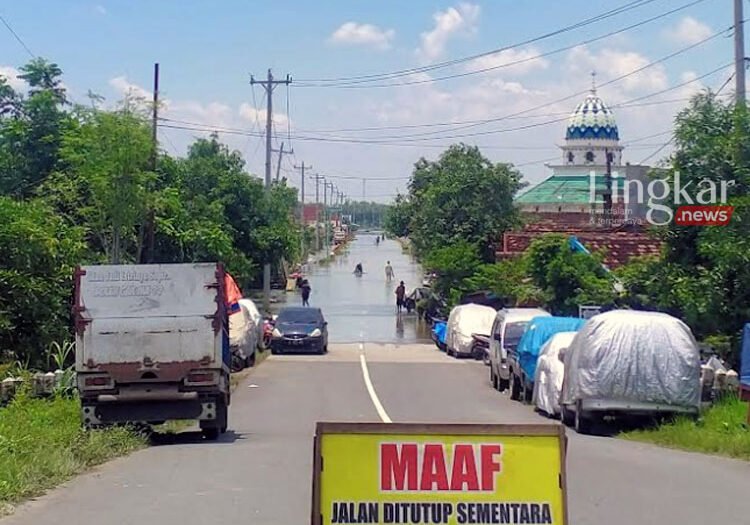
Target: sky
x=376, y=127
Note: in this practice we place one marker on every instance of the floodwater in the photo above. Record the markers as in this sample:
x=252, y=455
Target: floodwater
x=364, y=308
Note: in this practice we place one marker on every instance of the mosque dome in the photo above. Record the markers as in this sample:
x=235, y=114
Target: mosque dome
x=592, y=119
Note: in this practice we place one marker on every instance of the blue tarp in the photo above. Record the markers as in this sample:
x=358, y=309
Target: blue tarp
x=745, y=356
x=539, y=331
x=439, y=331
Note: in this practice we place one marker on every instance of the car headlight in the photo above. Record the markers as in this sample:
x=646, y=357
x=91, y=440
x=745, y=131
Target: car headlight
x=316, y=333
x=276, y=333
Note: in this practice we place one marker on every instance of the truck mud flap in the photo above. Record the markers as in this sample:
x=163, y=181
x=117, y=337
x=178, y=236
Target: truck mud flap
x=103, y=413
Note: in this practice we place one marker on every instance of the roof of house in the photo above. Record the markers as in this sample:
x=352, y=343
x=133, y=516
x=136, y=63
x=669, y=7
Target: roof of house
x=565, y=189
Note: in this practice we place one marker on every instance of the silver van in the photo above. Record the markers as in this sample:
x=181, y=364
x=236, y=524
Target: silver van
x=507, y=330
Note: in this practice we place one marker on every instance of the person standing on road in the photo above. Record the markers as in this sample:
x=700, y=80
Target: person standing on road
x=388, y=271
x=400, y=293
x=305, y=293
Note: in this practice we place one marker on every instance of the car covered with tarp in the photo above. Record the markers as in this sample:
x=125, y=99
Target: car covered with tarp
x=465, y=320
x=549, y=373
x=438, y=334
x=522, y=360
x=627, y=362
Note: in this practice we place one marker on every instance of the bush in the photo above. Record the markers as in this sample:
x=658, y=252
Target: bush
x=38, y=253
x=43, y=443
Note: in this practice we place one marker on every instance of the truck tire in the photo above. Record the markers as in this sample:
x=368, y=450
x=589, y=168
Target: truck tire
x=567, y=416
x=493, y=379
x=515, y=387
x=211, y=433
x=502, y=384
x=526, y=392
x=583, y=422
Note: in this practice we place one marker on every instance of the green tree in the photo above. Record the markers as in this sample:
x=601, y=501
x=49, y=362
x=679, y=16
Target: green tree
x=462, y=196
x=452, y=264
x=398, y=216
x=567, y=278
x=31, y=128
x=38, y=252
x=509, y=279
x=108, y=154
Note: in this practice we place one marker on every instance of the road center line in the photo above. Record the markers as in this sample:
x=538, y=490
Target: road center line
x=371, y=390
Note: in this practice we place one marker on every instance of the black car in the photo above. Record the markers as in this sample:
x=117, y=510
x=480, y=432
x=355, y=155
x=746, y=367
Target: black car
x=300, y=329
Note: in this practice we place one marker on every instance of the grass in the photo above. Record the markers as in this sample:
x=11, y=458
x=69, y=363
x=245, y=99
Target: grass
x=43, y=443
x=721, y=430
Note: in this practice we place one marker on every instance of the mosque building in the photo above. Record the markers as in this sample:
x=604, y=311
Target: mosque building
x=573, y=200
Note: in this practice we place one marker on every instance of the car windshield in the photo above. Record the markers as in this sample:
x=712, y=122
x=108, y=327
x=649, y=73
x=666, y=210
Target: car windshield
x=513, y=333
x=301, y=316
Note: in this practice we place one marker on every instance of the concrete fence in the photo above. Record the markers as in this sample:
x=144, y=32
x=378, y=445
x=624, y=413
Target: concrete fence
x=42, y=385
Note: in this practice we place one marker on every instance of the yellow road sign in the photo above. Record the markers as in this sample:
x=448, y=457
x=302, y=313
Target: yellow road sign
x=436, y=473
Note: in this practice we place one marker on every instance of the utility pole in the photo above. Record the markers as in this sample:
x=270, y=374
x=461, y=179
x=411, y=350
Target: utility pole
x=317, y=178
x=281, y=152
x=150, y=226
x=325, y=216
x=302, y=206
x=739, y=53
x=608, y=189
x=155, y=116
x=269, y=84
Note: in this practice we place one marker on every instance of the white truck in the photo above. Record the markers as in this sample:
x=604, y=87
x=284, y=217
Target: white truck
x=152, y=344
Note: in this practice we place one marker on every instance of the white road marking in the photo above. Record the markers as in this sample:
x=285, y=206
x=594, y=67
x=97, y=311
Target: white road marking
x=371, y=390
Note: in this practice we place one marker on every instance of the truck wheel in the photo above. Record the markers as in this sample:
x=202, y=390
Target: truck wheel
x=493, y=379
x=527, y=392
x=583, y=422
x=211, y=433
x=222, y=414
x=515, y=388
x=567, y=416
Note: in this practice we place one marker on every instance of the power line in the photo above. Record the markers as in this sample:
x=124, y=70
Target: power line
x=409, y=141
x=440, y=65
x=366, y=83
x=672, y=135
x=20, y=41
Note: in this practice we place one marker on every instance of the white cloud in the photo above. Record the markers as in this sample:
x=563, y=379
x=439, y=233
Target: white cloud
x=688, y=31
x=611, y=63
x=460, y=20
x=126, y=88
x=252, y=114
x=511, y=61
x=11, y=75
x=100, y=9
x=364, y=35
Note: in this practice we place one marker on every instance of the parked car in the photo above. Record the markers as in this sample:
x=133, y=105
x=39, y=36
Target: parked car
x=438, y=333
x=300, y=329
x=506, y=332
x=548, y=377
x=522, y=360
x=258, y=320
x=463, y=321
x=481, y=347
x=631, y=363
x=243, y=338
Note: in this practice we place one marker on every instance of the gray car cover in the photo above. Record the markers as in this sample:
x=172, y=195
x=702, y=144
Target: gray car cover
x=627, y=355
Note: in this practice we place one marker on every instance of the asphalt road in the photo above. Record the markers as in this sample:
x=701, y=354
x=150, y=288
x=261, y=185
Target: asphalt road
x=260, y=472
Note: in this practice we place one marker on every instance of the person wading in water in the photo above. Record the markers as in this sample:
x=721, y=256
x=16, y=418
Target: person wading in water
x=400, y=293
x=305, y=293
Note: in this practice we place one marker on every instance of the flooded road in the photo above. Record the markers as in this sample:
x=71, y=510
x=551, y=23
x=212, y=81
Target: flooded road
x=364, y=308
